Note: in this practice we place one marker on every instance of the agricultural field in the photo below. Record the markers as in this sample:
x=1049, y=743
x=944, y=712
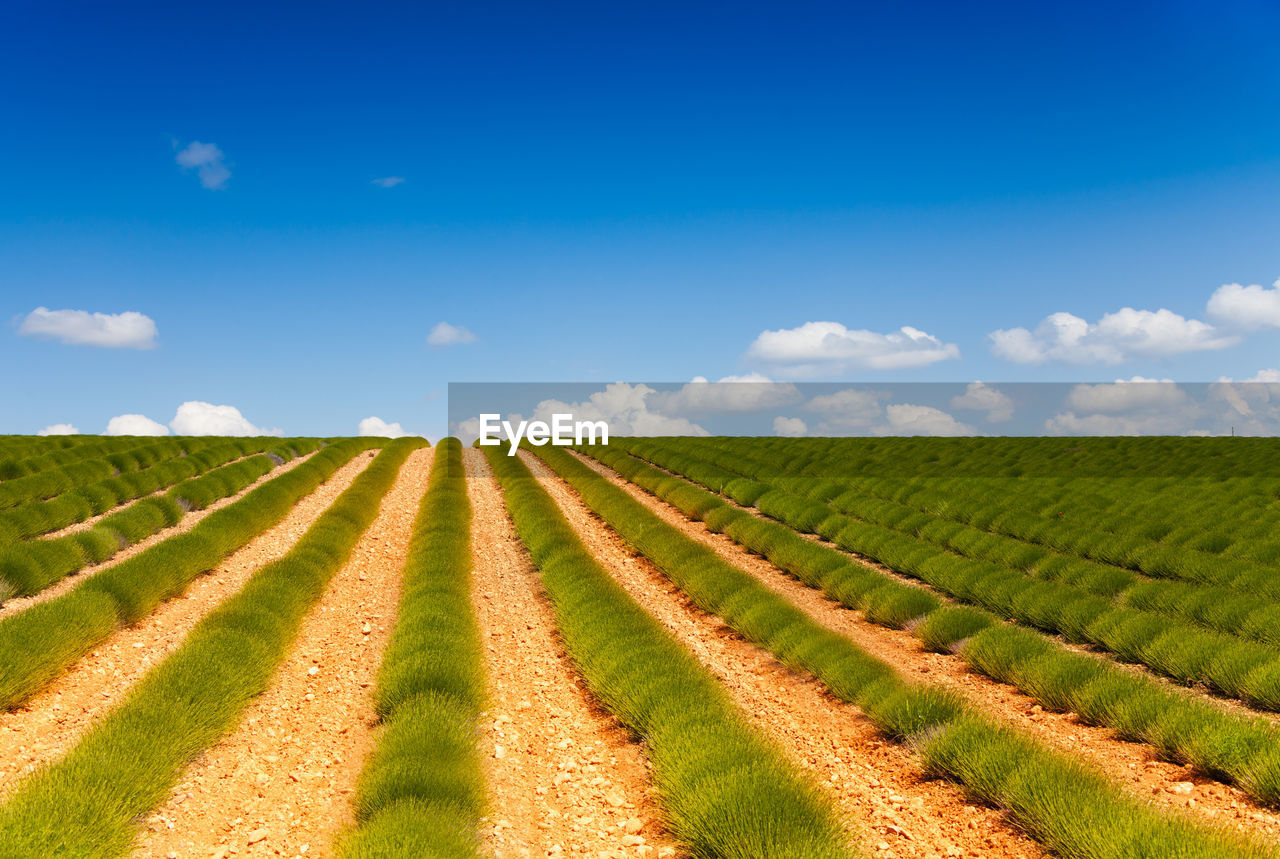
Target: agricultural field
x=656, y=647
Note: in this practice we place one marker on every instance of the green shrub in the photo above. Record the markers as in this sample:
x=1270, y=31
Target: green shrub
x=89, y=802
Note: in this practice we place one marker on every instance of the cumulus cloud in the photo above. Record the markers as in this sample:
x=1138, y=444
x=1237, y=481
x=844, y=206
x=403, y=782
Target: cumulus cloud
x=374, y=426
x=854, y=411
x=59, y=429
x=1069, y=423
x=1246, y=307
x=908, y=419
x=127, y=330
x=829, y=348
x=1127, y=395
x=388, y=181
x=848, y=412
x=749, y=393
x=444, y=334
x=627, y=410
x=1136, y=406
x=1250, y=407
x=208, y=161
x=1115, y=338
x=134, y=425
x=199, y=418
x=978, y=397
x=789, y=427
x=625, y=407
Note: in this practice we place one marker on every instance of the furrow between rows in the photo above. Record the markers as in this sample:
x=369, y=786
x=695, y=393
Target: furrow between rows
x=188, y=521
x=1171, y=785
x=874, y=782
x=281, y=781
x=563, y=775
x=51, y=722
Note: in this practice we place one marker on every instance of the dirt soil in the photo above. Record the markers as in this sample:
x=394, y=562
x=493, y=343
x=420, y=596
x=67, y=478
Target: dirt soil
x=564, y=776
x=282, y=782
x=877, y=785
x=189, y=521
x=1230, y=705
x=1174, y=788
x=51, y=722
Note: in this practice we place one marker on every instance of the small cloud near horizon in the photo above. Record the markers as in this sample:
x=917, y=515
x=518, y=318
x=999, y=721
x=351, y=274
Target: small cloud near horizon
x=59, y=429
x=134, y=425
x=377, y=427
x=195, y=417
x=387, y=181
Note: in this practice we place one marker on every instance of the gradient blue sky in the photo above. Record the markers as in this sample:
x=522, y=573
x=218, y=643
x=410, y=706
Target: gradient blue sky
x=614, y=191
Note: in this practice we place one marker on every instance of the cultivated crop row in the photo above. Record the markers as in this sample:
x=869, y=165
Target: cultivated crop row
x=24, y=456
x=88, y=803
x=1243, y=604
x=1240, y=749
x=35, y=518
x=1071, y=809
x=30, y=566
x=726, y=791
x=54, y=481
x=43, y=640
x=1205, y=530
x=900, y=458
x=1243, y=669
x=422, y=792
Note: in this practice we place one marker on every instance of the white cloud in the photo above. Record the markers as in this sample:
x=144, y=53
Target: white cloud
x=127, y=330
x=1247, y=307
x=388, y=181
x=1251, y=407
x=59, y=429
x=907, y=419
x=134, y=425
x=208, y=161
x=625, y=407
x=1126, y=395
x=790, y=427
x=829, y=348
x=863, y=412
x=200, y=418
x=467, y=431
x=749, y=393
x=848, y=412
x=979, y=397
x=1136, y=406
x=1069, y=423
x=850, y=402
x=1115, y=338
x=375, y=426
x=444, y=334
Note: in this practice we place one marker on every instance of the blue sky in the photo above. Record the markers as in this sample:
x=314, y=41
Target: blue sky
x=603, y=192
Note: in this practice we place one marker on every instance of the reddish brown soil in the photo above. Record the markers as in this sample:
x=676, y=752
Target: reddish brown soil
x=875, y=784
x=564, y=777
x=1230, y=705
x=281, y=783
x=50, y=723
x=1135, y=765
